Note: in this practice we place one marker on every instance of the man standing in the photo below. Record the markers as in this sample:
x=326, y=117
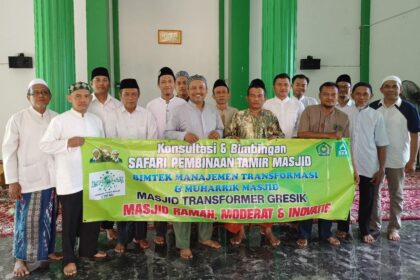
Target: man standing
x=286, y=109
x=254, y=123
x=161, y=108
x=344, y=91
x=181, y=79
x=132, y=122
x=319, y=122
x=63, y=138
x=368, y=143
x=27, y=173
x=102, y=105
x=403, y=125
x=221, y=95
x=299, y=85
x=191, y=122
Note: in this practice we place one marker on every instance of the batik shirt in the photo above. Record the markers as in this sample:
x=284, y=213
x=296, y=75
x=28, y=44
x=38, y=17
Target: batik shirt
x=247, y=126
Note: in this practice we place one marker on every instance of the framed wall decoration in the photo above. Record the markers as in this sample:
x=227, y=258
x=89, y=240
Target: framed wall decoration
x=169, y=36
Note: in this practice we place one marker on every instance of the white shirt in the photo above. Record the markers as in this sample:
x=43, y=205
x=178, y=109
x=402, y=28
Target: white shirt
x=162, y=110
x=288, y=113
x=307, y=100
x=187, y=118
x=23, y=161
x=104, y=111
x=68, y=161
x=398, y=151
x=350, y=103
x=140, y=124
x=367, y=132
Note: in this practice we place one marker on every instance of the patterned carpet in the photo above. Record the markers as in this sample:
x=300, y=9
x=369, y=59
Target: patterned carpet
x=411, y=205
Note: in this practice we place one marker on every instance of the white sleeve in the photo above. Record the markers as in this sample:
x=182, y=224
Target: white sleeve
x=51, y=142
x=152, y=132
x=173, y=129
x=9, y=148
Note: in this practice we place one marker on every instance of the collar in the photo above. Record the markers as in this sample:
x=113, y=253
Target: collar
x=38, y=114
x=108, y=98
x=190, y=103
x=282, y=101
x=78, y=114
x=170, y=100
x=124, y=110
x=397, y=103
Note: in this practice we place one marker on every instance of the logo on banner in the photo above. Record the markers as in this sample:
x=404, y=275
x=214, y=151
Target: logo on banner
x=105, y=184
x=341, y=149
x=323, y=149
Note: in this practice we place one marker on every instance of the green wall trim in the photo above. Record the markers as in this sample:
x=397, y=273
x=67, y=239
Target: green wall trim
x=221, y=39
x=54, y=48
x=97, y=33
x=116, y=44
x=238, y=69
x=365, y=40
x=279, y=19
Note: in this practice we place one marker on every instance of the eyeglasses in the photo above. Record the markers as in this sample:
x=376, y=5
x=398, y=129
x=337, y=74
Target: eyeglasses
x=39, y=93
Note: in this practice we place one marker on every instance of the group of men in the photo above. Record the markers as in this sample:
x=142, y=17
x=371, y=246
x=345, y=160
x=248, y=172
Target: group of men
x=42, y=157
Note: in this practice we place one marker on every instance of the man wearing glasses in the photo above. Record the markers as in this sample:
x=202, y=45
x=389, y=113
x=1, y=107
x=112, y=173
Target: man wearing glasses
x=27, y=173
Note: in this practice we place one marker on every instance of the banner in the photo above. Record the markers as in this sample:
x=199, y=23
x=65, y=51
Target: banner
x=243, y=181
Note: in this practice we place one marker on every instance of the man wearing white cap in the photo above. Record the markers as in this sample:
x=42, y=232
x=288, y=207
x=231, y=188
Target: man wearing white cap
x=27, y=173
x=403, y=125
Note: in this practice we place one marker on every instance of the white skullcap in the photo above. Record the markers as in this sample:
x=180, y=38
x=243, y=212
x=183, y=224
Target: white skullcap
x=37, y=82
x=391, y=78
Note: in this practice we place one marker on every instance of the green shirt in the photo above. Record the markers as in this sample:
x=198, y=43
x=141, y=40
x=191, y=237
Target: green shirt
x=247, y=126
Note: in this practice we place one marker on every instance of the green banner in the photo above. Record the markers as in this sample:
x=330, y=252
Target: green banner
x=252, y=181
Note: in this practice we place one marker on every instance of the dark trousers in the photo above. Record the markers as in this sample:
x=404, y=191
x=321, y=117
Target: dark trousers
x=107, y=225
x=73, y=226
x=161, y=228
x=324, y=229
x=344, y=225
x=129, y=230
x=366, y=196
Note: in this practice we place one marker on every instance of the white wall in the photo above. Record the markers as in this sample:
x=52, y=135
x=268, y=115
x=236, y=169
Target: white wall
x=255, y=39
x=329, y=30
x=141, y=56
x=17, y=36
x=395, y=41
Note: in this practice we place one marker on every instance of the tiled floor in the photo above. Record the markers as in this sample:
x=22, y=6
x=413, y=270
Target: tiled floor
x=252, y=260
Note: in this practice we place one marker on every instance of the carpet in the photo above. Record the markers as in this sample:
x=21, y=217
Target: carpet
x=411, y=205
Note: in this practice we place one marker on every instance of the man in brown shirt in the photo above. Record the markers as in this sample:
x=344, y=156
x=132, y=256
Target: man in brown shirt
x=322, y=121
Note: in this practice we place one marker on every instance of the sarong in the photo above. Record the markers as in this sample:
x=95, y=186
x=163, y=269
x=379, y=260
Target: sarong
x=35, y=221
